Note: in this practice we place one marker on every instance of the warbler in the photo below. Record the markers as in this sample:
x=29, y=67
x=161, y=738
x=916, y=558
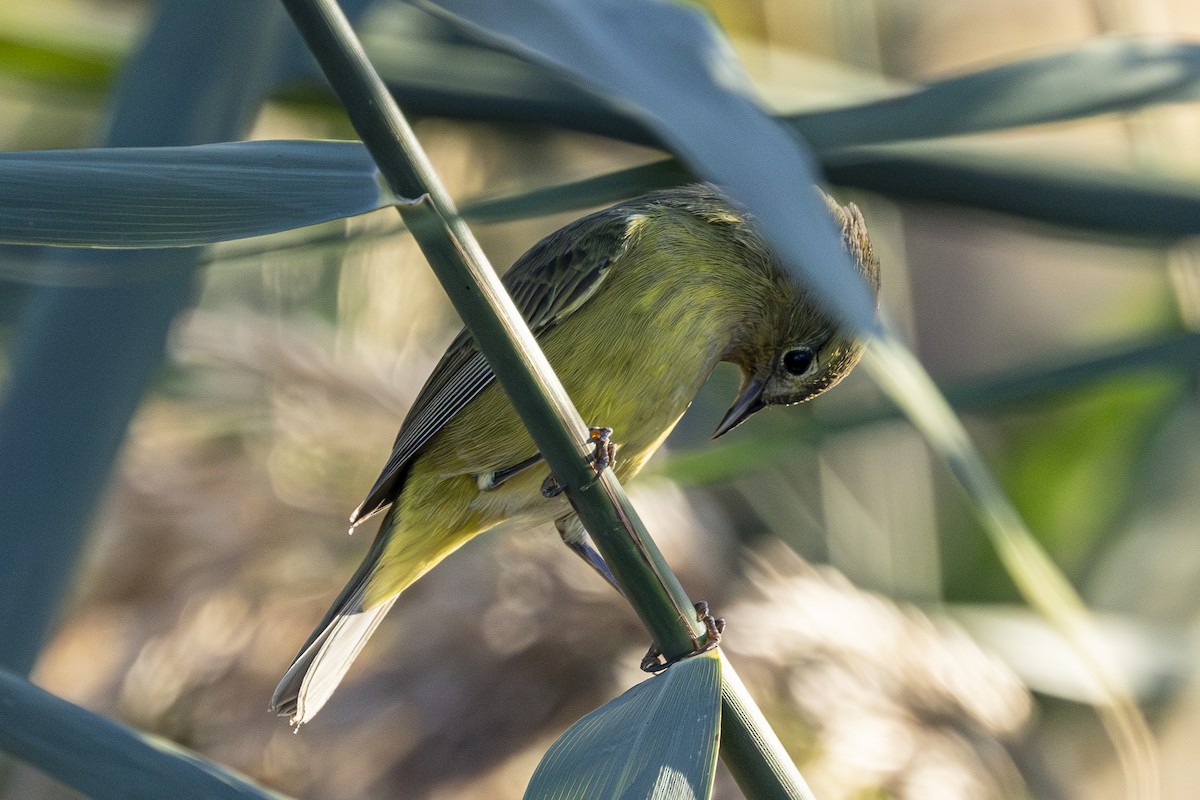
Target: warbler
x=634, y=306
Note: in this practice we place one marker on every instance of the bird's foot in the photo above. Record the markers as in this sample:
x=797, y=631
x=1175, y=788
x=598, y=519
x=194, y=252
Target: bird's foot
x=603, y=456
x=575, y=537
x=654, y=660
x=605, y=453
x=551, y=487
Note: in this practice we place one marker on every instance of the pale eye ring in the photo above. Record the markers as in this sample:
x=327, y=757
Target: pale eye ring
x=798, y=360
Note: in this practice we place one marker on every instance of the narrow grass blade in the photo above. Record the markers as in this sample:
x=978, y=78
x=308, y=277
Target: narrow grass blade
x=1042, y=584
x=578, y=195
x=1157, y=658
x=1100, y=77
x=1080, y=196
x=1073, y=194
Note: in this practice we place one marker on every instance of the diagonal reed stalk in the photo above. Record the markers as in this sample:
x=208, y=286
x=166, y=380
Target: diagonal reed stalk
x=750, y=748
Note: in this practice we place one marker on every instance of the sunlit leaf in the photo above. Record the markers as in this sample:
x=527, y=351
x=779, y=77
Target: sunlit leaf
x=1073, y=470
x=658, y=740
x=1156, y=659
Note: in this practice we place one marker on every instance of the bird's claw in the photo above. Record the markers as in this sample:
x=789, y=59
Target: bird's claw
x=603, y=456
x=605, y=453
x=714, y=627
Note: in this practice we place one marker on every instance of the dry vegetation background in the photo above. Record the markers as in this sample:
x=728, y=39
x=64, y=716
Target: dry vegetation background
x=223, y=536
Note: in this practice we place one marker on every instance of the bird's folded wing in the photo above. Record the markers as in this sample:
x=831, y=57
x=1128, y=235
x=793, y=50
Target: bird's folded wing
x=551, y=281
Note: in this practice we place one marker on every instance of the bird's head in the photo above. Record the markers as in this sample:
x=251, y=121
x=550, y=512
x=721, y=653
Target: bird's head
x=795, y=351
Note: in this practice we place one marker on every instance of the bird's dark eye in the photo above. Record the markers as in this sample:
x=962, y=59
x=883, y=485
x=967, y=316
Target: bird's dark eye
x=798, y=361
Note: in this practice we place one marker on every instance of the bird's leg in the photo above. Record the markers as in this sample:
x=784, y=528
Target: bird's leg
x=603, y=456
x=490, y=480
x=714, y=627
x=575, y=537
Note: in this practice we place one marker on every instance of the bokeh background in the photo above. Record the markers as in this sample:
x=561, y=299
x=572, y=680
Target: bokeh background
x=866, y=609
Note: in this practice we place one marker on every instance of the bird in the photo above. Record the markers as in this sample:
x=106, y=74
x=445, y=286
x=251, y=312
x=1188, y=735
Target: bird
x=634, y=306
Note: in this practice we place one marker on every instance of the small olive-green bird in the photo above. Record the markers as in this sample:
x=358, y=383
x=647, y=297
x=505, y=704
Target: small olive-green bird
x=634, y=306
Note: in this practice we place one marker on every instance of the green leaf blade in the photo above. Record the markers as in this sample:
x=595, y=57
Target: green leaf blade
x=1100, y=77
x=104, y=759
x=699, y=105
x=658, y=740
x=141, y=197
x=1071, y=195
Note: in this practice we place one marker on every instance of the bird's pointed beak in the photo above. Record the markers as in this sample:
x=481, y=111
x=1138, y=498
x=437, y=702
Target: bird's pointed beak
x=748, y=401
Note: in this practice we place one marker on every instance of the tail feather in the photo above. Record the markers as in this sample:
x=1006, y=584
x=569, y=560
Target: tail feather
x=324, y=659
x=322, y=664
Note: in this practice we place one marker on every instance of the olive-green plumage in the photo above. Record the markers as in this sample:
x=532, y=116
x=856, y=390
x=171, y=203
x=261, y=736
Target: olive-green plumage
x=633, y=306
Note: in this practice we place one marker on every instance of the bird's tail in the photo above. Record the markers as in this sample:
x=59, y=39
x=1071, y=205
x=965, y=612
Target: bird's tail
x=327, y=655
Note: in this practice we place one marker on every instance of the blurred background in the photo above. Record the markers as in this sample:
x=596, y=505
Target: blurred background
x=866, y=609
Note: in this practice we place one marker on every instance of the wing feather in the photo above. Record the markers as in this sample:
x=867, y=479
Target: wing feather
x=551, y=281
